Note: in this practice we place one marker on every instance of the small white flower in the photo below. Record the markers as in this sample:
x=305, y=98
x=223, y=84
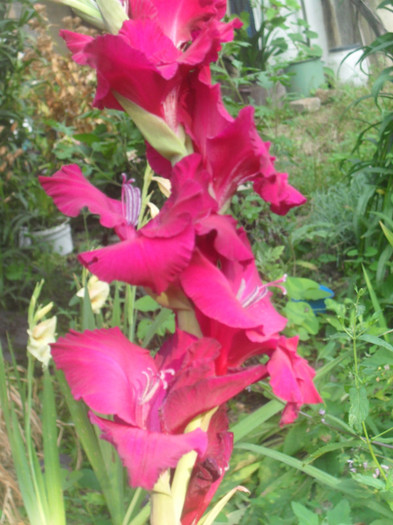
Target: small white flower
x=98, y=293
x=40, y=337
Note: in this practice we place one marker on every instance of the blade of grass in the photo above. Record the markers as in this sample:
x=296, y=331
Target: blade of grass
x=374, y=299
x=142, y=517
x=254, y=420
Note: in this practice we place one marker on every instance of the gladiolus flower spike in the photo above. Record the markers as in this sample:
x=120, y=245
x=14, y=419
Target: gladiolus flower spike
x=165, y=415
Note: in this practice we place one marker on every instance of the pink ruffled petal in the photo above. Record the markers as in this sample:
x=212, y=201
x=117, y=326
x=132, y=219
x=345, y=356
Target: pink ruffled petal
x=227, y=241
x=76, y=43
x=192, y=394
x=216, y=295
x=291, y=378
x=71, y=192
x=281, y=195
x=147, y=454
x=106, y=370
x=180, y=19
x=143, y=261
x=127, y=71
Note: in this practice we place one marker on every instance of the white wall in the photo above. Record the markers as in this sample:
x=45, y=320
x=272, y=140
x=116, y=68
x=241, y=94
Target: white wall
x=314, y=13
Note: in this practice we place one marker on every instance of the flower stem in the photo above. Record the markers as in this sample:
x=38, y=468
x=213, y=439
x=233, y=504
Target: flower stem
x=186, y=464
x=162, y=505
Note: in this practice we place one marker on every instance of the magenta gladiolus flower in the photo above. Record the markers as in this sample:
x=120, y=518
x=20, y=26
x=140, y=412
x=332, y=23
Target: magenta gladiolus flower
x=155, y=255
x=152, y=256
x=231, y=149
x=152, y=400
x=233, y=295
x=157, y=47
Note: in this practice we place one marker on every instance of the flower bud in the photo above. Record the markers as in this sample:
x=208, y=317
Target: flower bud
x=40, y=337
x=98, y=293
x=41, y=313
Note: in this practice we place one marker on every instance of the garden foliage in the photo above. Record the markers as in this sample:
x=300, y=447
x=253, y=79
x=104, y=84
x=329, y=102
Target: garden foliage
x=332, y=465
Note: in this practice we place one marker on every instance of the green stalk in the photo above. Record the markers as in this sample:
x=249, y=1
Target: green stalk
x=162, y=507
x=142, y=517
x=90, y=444
x=129, y=320
x=53, y=476
x=36, y=474
x=134, y=503
x=367, y=438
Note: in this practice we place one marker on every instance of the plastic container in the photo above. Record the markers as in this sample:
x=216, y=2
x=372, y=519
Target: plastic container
x=59, y=238
x=306, y=76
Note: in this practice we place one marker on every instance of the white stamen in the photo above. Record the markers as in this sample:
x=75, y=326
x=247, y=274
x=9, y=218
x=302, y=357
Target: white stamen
x=153, y=382
x=131, y=201
x=259, y=292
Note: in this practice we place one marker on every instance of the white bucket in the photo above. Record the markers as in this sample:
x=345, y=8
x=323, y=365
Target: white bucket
x=59, y=238
x=344, y=63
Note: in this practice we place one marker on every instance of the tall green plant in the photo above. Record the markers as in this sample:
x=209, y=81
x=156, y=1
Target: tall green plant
x=375, y=203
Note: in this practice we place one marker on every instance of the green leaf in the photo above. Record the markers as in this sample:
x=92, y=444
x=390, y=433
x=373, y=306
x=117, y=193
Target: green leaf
x=374, y=299
x=300, y=289
x=88, y=321
x=387, y=232
x=305, y=516
x=375, y=483
x=374, y=340
x=53, y=476
x=256, y=419
x=146, y=304
x=359, y=408
x=340, y=514
x=301, y=314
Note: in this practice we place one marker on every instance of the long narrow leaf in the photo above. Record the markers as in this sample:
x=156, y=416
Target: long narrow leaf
x=53, y=478
x=89, y=441
x=350, y=488
x=256, y=419
x=387, y=232
x=18, y=450
x=375, y=302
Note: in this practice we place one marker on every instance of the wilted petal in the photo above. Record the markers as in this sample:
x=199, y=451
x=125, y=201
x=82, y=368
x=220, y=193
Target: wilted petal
x=209, y=469
x=147, y=454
